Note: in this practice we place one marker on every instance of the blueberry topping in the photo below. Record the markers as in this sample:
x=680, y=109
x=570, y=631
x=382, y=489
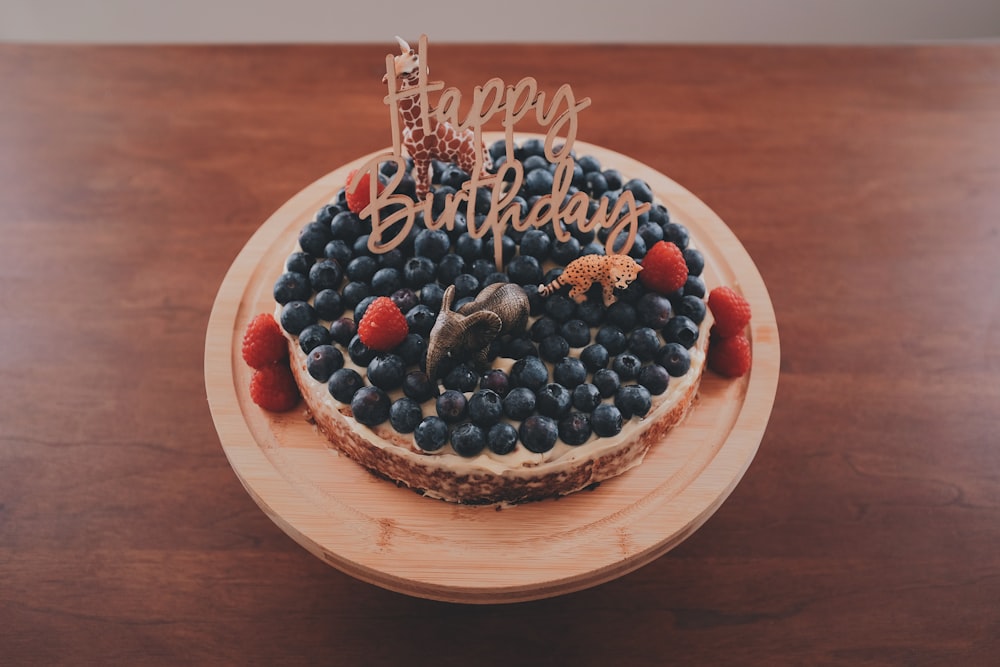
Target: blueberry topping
x=542, y=328
x=296, y=316
x=576, y=333
x=431, y=296
x=354, y=293
x=591, y=312
x=695, y=261
x=495, y=380
x=675, y=358
x=595, y=357
x=681, y=329
x=569, y=372
x=314, y=237
x=299, y=262
x=692, y=307
x=529, y=372
x=322, y=361
x=586, y=397
x=574, y=428
x=553, y=348
x=412, y=349
x=405, y=415
x=536, y=244
x=501, y=438
x=462, y=378
x=694, y=286
x=338, y=250
x=342, y=330
x=622, y=314
x=643, y=343
x=654, y=310
x=417, y=386
x=345, y=226
x=420, y=320
x=485, y=408
x=554, y=400
x=325, y=274
x=466, y=285
x=611, y=338
x=360, y=353
x=538, y=433
x=432, y=244
x=370, y=406
x=560, y=307
x=418, y=271
x=405, y=299
x=362, y=307
x=449, y=268
x=452, y=406
x=633, y=399
x=676, y=234
x=606, y=420
x=626, y=366
x=386, y=371
x=519, y=403
x=564, y=252
x=607, y=382
x=328, y=305
x=524, y=270
x=431, y=434
x=344, y=383
x=313, y=336
x=468, y=439
x=386, y=281
x=292, y=286
x=519, y=348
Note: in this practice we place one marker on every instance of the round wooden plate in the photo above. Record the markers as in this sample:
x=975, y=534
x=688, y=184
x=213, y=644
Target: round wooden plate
x=396, y=539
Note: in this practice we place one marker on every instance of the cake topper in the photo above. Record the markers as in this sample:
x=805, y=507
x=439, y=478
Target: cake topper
x=610, y=271
x=500, y=308
x=428, y=128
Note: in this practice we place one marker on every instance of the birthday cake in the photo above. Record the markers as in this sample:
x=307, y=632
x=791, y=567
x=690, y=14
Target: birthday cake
x=492, y=323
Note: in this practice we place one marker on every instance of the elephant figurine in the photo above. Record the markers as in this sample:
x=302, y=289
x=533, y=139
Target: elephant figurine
x=500, y=308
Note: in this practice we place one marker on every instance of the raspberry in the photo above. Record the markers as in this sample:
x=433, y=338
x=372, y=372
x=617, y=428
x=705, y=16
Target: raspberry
x=729, y=357
x=263, y=342
x=383, y=326
x=731, y=311
x=663, y=268
x=273, y=388
x=361, y=195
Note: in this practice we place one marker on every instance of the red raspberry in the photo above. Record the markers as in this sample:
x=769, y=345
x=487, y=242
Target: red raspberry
x=729, y=357
x=663, y=268
x=263, y=342
x=731, y=312
x=273, y=388
x=361, y=197
x=383, y=325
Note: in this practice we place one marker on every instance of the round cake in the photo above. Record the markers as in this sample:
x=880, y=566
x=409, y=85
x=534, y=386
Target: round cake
x=584, y=366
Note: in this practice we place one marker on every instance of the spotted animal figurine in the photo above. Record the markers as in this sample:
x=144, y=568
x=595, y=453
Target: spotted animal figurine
x=610, y=271
x=443, y=142
x=500, y=308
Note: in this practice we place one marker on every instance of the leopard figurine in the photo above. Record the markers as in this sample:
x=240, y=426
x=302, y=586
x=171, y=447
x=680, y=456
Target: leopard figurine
x=610, y=270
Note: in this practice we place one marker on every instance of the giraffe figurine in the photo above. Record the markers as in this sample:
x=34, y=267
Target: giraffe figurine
x=443, y=143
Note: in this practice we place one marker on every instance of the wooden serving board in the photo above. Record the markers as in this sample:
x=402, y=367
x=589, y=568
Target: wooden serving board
x=396, y=539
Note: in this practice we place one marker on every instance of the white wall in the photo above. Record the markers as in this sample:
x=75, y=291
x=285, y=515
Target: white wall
x=775, y=21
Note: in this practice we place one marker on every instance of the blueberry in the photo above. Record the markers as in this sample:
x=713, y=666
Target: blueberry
x=675, y=358
x=519, y=403
x=622, y=315
x=538, y=433
x=405, y=415
x=611, y=338
x=553, y=348
x=420, y=320
x=607, y=382
x=495, y=277
x=627, y=366
x=640, y=190
x=468, y=440
x=314, y=237
x=589, y=164
x=695, y=261
x=354, y=293
x=650, y=233
x=694, y=286
x=322, y=361
x=386, y=281
x=466, y=285
x=417, y=386
x=431, y=434
x=501, y=438
x=342, y=330
x=405, y=299
x=362, y=307
x=431, y=296
x=325, y=274
x=529, y=372
x=654, y=310
x=586, y=397
x=655, y=378
x=344, y=383
x=292, y=286
x=386, y=371
x=518, y=347
x=453, y=177
x=692, y=307
x=659, y=214
x=594, y=357
x=412, y=349
x=681, y=329
x=325, y=214
x=296, y=316
x=313, y=336
x=524, y=270
x=469, y=248
x=569, y=372
x=299, y=262
x=591, y=312
x=614, y=179
x=360, y=353
x=643, y=343
x=495, y=380
x=542, y=328
x=554, y=400
x=449, y=268
x=676, y=233
x=339, y=250
x=536, y=244
x=564, y=252
x=452, y=406
x=597, y=184
x=574, y=428
x=432, y=244
x=393, y=259
x=606, y=420
x=328, y=305
x=345, y=226
x=633, y=400
x=560, y=307
x=418, y=271
x=576, y=333
x=462, y=378
x=370, y=406
x=360, y=247
x=485, y=407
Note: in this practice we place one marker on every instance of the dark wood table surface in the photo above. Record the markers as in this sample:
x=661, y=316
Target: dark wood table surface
x=864, y=182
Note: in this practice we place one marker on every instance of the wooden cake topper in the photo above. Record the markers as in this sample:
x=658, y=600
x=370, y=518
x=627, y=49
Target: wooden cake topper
x=610, y=271
x=500, y=308
x=440, y=130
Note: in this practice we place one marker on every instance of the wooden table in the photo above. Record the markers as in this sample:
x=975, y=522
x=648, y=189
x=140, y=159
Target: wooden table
x=864, y=182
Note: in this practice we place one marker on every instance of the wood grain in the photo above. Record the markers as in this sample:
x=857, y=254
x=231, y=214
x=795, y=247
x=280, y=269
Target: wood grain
x=864, y=182
x=391, y=537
